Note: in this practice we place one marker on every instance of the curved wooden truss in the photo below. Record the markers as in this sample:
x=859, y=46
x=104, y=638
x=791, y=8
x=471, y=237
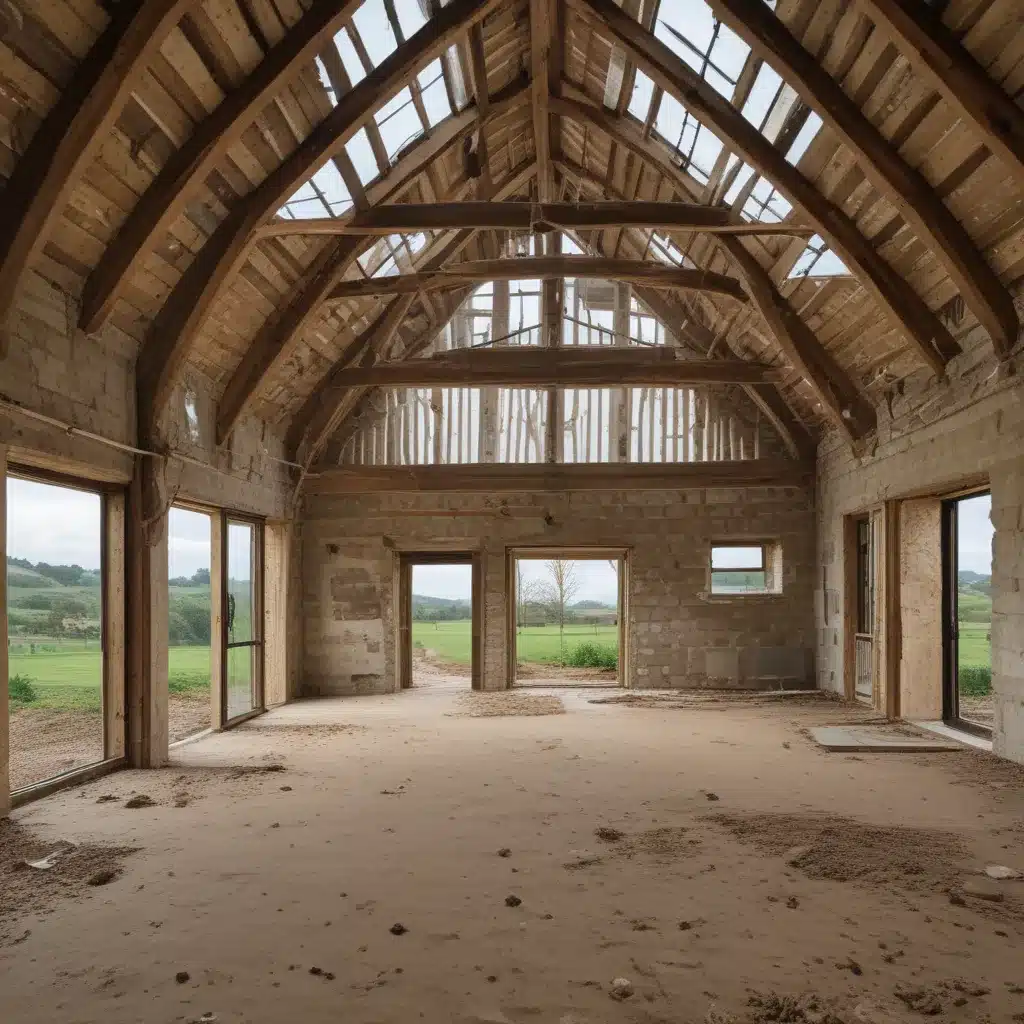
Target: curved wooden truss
x=536, y=169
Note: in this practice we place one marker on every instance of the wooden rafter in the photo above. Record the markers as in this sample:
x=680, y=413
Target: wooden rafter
x=277, y=336
x=655, y=275
x=531, y=366
x=937, y=55
x=539, y=217
x=540, y=50
x=825, y=375
x=562, y=477
x=170, y=336
x=905, y=308
x=162, y=203
x=885, y=168
x=72, y=132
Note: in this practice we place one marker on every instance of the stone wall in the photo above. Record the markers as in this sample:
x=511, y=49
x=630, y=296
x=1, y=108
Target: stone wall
x=935, y=438
x=678, y=635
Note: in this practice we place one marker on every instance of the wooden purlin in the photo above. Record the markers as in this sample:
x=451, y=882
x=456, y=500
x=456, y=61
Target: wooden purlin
x=908, y=311
x=72, y=133
x=163, y=355
x=883, y=165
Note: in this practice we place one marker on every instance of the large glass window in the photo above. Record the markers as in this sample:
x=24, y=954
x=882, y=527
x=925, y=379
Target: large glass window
x=243, y=618
x=55, y=579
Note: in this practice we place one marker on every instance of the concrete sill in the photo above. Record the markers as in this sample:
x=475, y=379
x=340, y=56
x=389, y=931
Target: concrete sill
x=751, y=598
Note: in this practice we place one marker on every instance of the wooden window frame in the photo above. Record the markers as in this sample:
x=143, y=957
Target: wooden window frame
x=771, y=556
x=258, y=640
x=113, y=498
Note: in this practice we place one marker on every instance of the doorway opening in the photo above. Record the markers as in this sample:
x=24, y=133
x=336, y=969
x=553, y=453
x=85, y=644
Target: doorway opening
x=439, y=621
x=58, y=630
x=567, y=612
x=864, y=611
x=189, y=652
x=967, y=612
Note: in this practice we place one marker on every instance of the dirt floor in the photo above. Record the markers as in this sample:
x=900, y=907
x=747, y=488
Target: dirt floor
x=392, y=859
x=46, y=742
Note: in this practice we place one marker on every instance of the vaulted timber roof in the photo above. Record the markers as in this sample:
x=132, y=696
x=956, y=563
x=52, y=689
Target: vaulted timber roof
x=201, y=177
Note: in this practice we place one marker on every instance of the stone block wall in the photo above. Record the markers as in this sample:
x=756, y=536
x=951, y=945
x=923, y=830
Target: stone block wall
x=678, y=634
x=936, y=438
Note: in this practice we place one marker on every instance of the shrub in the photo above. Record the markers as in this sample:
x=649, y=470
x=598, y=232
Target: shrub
x=975, y=680
x=189, y=682
x=591, y=655
x=20, y=690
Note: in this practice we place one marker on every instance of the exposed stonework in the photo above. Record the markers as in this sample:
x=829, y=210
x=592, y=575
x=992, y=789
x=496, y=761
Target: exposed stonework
x=679, y=635
x=936, y=438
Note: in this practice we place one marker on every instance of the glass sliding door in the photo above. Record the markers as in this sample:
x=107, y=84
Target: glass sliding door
x=243, y=617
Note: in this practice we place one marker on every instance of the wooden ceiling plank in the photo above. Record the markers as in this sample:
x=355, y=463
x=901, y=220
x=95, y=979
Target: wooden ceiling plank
x=883, y=165
x=171, y=334
x=938, y=56
x=188, y=167
x=655, y=275
x=930, y=337
x=72, y=134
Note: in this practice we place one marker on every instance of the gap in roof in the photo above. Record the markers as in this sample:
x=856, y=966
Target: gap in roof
x=818, y=260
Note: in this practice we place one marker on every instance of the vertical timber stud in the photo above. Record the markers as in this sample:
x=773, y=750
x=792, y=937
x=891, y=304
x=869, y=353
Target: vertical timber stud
x=217, y=620
x=147, y=616
x=5, y=734
x=552, y=291
x=277, y=545
x=619, y=411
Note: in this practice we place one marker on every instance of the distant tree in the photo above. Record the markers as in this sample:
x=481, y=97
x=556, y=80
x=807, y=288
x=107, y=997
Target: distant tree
x=530, y=594
x=201, y=577
x=565, y=583
x=69, y=575
x=67, y=617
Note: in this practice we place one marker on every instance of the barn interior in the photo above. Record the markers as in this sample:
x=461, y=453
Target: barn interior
x=511, y=511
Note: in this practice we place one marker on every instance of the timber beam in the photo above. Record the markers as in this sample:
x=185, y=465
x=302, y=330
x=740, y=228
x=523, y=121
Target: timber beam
x=939, y=57
x=907, y=311
x=73, y=132
x=654, y=275
x=548, y=477
x=906, y=187
x=530, y=366
x=535, y=217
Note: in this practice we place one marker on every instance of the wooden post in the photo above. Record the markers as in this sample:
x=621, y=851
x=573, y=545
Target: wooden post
x=113, y=630
x=5, y=735
x=217, y=651
x=619, y=414
x=551, y=330
x=147, y=617
x=277, y=546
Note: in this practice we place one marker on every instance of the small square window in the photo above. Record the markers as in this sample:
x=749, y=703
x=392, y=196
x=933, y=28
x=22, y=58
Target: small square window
x=192, y=415
x=740, y=569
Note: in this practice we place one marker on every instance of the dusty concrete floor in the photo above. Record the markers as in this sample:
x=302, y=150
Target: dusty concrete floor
x=392, y=810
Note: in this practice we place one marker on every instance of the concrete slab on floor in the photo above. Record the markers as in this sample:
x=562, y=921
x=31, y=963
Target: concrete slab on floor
x=877, y=738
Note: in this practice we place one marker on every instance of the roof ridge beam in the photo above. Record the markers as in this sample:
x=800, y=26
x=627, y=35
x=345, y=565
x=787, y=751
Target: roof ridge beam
x=905, y=186
x=167, y=343
x=905, y=308
x=71, y=133
x=938, y=56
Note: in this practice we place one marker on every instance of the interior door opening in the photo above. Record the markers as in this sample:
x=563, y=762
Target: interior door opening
x=439, y=622
x=568, y=626
x=967, y=612
x=242, y=692
x=864, y=628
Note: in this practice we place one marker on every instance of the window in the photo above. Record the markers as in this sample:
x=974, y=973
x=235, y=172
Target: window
x=865, y=579
x=740, y=569
x=243, y=620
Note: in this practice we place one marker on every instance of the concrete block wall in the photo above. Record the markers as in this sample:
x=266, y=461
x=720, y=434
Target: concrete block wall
x=678, y=635
x=935, y=438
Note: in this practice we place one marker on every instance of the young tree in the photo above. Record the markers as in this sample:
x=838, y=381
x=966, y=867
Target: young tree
x=565, y=583
x=528, y=592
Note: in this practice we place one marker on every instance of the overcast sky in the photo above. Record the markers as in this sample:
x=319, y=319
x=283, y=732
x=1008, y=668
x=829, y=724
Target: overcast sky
x=59, y=525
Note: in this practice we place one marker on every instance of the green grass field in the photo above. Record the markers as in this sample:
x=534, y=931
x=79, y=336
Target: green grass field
x=69, y=677
x=539, y=644
x=975, y=647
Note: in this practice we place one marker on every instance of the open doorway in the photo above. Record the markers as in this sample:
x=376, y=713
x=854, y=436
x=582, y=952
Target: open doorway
x=439, y=621
x=568, y=622
x=967, y=612
x=189, y=660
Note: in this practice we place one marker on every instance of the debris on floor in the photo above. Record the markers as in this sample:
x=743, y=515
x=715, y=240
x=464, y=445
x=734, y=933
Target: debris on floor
x=506, y=703
x=892, y=739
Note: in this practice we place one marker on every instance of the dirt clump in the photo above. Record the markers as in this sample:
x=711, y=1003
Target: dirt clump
x=506, y=703
x=139, y=800
x=609, y=835
x=845, y=850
